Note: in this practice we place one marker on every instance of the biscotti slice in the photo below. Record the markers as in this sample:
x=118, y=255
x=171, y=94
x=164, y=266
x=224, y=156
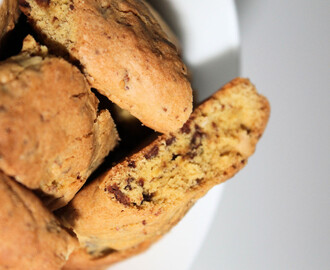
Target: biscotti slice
x=144, y=196
x=123, y=52
x=52, y=136
x=31, y=237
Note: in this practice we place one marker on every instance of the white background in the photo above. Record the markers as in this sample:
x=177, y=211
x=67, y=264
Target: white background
x=275, y=213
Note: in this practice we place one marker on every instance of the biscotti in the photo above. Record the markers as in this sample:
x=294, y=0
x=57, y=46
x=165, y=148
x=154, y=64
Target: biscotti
x=52, y=136
x=31, y=237
x=144, y=196
x=123, y=52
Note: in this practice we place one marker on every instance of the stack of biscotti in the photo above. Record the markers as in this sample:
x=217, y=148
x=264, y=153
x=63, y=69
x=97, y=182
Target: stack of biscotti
x=55, y=133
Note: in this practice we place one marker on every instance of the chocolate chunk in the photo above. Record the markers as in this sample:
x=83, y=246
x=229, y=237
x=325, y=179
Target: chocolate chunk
x=144, y=222
x=152, y=153
x=192, y=155
x=120, y=196
x=174, y=156
x=141, y=182
x=128, y=187
x=196, y=140
x=71, y=7
x=147, y=197
x=129, y=180
x=170, y=141
x=131, y=164
x=199, y=180
x=186, y=128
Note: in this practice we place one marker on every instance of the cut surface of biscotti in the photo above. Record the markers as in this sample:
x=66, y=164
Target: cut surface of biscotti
x=144, y=196
x=52, y=136
x=31, y=237
x=123, y=52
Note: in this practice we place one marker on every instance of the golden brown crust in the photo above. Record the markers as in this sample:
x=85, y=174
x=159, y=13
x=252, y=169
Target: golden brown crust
x=52, y=136
x=9, y=13
x=147, y=194
x=124, y=54
x=31, y=237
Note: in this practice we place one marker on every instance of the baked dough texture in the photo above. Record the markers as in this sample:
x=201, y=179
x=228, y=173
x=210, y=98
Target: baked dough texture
x=143, y=197
x=9, y=13
x=31, y=237
x=123, y=52
x=52, y=136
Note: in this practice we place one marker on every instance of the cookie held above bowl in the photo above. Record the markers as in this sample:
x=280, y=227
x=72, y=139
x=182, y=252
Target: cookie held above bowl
x=123, y=52
x=52, y=136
